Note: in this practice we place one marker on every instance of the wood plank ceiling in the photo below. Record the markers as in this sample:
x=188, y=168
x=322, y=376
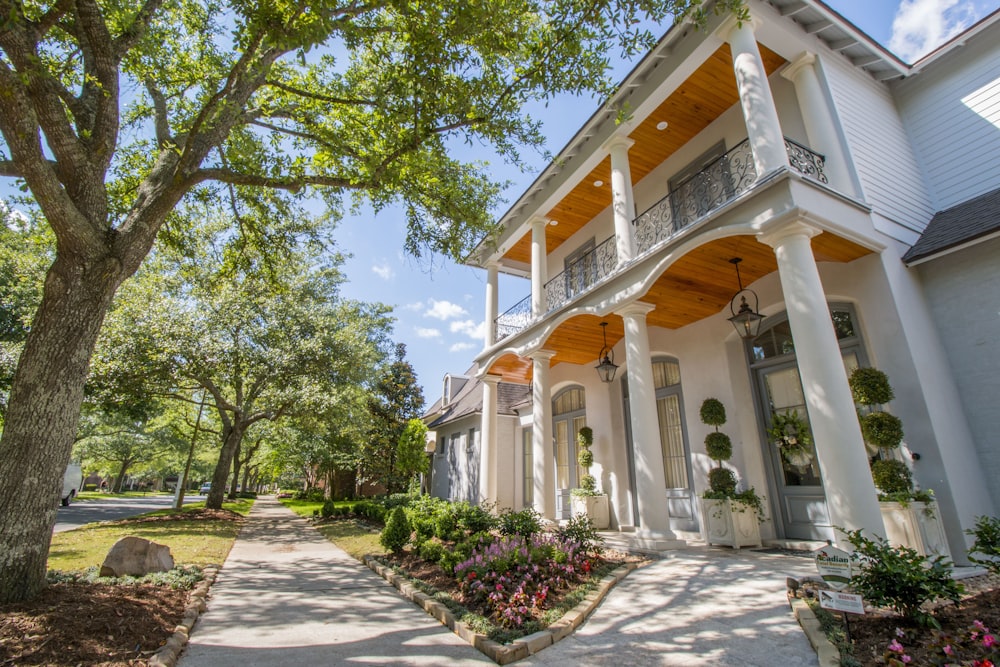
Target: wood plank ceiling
x=702, y=98
x=700, y=284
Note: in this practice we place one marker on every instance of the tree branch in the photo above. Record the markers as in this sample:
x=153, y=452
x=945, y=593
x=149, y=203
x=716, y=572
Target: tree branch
x=135, y=31
x=290, y=184
x=300, y=92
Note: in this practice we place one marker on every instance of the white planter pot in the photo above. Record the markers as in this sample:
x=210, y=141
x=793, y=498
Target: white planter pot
x=730, y=523
x=917, y=526
x=595, y=507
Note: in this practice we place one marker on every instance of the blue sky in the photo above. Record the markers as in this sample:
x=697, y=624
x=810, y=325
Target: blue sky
x=439, y=306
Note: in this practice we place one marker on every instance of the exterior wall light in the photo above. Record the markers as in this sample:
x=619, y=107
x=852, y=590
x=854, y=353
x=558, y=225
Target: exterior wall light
x=606, y=369
x=746, y=320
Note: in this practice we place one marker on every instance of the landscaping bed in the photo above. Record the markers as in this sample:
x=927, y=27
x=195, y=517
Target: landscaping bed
x=83, y=619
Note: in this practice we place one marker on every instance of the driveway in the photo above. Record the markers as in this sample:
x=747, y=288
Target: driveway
x=107, y=509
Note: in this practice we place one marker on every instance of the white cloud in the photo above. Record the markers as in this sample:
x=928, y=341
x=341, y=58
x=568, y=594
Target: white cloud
x=384, y=271
x=470, y=328
x=424, y=332
x=444, y=310
x=461, y=347
x=415, y=306
x=920, y=26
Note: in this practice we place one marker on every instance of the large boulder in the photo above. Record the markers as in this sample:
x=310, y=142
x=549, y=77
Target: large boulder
x=136, y=556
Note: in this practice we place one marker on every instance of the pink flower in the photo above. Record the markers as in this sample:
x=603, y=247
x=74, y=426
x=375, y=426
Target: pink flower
x=895, y=646
x=906, y=659
x=989, y=640
x=948, y=650
x=900, y=633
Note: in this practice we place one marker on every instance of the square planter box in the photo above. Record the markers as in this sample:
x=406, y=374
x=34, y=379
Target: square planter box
x=915, y=525
x=730, y=523
x=595, y=507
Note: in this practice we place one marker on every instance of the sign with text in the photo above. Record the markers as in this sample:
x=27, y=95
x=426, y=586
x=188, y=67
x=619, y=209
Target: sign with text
x=834, y=566
x=838, y=601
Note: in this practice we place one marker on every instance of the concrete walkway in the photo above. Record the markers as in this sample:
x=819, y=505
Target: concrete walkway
x=287, y=596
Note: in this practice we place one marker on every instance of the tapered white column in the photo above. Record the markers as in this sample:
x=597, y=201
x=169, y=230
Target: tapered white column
x=650, y=484
x=542, y=452
x=623, y=202
x=843, y=460
x=818, y=118
x=488, y=441
x=538, y=272
x=759, y=112
x=491, y=304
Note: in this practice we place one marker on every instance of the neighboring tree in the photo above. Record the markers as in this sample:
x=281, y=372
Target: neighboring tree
x=395, y=399
x=264, y=341
x=113, y=113
x=411, y=452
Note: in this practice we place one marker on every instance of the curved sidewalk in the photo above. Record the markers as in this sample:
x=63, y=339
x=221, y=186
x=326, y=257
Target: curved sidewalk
x=287, y=595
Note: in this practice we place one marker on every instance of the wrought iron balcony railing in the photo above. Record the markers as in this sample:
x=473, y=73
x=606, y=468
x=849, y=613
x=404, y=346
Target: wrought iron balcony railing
x=719, y=183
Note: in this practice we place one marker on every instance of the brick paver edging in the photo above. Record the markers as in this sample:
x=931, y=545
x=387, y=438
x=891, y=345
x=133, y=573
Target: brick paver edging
x=826, y=652
x=169, y=653
x=519, y=648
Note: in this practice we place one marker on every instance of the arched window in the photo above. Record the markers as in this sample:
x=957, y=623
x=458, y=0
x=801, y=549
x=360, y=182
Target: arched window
x=569, y=415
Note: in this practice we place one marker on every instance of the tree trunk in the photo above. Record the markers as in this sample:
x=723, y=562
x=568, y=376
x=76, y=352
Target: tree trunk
x=42, y=416
x=237, y=463
x=232, y=439
x=120, y=479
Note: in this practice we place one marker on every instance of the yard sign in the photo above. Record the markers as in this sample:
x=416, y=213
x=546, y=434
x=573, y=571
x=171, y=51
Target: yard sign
x=834, y=566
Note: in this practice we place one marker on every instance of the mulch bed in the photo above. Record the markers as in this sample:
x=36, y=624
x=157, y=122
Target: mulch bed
x=872, y=632
x=201, y=514
x=89, y=624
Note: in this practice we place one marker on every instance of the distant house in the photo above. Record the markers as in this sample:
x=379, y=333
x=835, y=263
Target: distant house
x=862, y=196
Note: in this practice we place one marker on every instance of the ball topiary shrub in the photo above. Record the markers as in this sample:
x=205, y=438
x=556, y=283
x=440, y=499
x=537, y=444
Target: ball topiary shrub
x=870, y=386
x=713, y=412
x=718, y=446
x=722, y=481
x=892, y=476
x=882, y=430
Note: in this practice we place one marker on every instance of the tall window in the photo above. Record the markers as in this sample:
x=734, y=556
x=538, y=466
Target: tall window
x=568, y=410
x=529, y=467
x=667, y=380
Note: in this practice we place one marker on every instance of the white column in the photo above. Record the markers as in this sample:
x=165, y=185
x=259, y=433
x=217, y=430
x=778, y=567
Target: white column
x=623, y=202
x=818, y=118
x=843, y=461
x=491, y=303
x=488, y=441
x=542, y=452
x=538, y=272
x=650, y=484
x=759, y=112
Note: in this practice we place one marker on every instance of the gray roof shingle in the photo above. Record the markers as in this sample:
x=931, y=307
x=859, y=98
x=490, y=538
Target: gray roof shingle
x=959, y=224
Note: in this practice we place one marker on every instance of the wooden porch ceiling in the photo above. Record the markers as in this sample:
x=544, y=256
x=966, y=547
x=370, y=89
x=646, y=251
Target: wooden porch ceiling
x=702, y=98
x=698, y=285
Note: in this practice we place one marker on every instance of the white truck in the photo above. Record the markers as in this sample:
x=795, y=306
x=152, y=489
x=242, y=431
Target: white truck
x=72, y=483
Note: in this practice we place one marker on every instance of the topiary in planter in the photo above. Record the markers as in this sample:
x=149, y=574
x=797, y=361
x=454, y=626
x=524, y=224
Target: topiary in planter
x=713, y=412
x=892, y=476
x=870, y=386
x=882, y=430
x=718, y=446
x=585, y=457
x=722, y=481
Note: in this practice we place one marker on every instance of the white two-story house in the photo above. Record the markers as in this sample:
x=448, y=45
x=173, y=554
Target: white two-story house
x=853, y=196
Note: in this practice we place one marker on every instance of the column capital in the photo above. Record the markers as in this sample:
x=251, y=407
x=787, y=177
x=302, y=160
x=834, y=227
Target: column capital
x=491, y=379
x=492, y=265
x=776, y=237
x=732, y=24
x=539, y=221
x=805, y=60
x=541, y=355
x=617, y=141
x=636, y=308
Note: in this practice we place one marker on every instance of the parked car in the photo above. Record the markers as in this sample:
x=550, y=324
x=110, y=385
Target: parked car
x=72, y=483
x=205, y=488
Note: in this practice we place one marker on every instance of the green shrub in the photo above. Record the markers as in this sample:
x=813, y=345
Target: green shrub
x=472, y=518
x=396, y=500
x=431, y=551
x=588, y=483
x=329, y=509
x=581, y=529
x=90, y=487
x=722, y=481
x=713, y=412
x=987, y=534
x=246, y=494
x=718, y=446
x=585, y=437
x=525, y=522
x=396, y=533
x=892, y=476
x=870, y=386
x=585, y=458
x=901, y=579
x=882, y=430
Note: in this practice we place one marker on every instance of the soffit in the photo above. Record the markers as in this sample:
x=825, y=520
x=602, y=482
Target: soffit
x=702, y=98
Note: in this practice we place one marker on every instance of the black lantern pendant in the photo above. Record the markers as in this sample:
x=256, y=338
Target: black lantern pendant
x=745, y=319
x=606, y=369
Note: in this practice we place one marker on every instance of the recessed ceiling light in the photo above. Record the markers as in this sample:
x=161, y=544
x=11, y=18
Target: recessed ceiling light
x=662, y=125
x=553, y=223
x=598, y=184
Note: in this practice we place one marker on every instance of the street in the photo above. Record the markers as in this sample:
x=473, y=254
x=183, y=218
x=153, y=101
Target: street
x=107, y=509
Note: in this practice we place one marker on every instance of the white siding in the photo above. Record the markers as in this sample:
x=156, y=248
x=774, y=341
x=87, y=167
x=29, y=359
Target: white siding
x=952, y=112
x=891, y=180
x=963, y=291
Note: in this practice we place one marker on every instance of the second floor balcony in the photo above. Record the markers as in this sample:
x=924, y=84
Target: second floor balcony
x=724, y=180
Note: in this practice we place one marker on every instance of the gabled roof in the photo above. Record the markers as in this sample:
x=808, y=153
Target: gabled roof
x=957, y=225
x=469, y=401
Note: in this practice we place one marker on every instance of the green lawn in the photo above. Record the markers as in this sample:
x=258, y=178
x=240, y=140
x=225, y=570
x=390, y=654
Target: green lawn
x=353, y=537
x=192, y=541
x=101, y=495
